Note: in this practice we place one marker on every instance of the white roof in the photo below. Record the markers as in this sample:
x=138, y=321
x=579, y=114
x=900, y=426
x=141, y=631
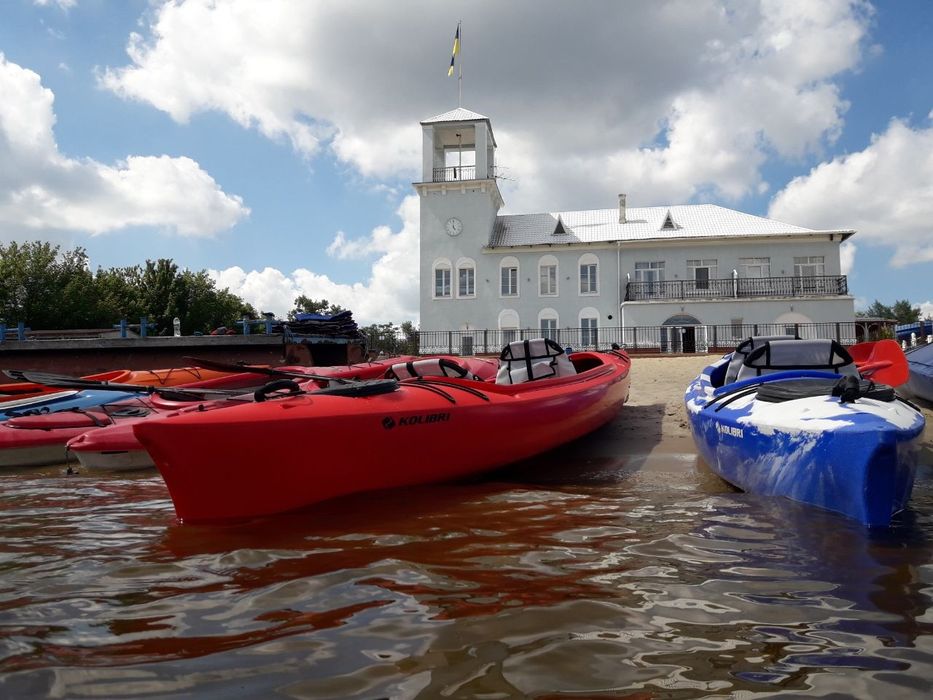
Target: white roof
x=456, y=115
x=690, y=221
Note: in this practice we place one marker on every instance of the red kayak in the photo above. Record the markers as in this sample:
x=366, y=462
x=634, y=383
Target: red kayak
x=116, y=448
x=285, y=454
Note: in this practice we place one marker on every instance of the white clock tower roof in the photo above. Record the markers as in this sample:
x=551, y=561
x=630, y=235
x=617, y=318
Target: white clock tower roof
x=456, y=115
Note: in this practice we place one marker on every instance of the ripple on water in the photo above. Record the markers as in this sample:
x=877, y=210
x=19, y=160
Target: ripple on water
x=484, y=589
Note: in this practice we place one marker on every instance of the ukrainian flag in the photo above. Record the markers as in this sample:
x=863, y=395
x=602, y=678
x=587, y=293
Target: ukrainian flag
x=453, y=55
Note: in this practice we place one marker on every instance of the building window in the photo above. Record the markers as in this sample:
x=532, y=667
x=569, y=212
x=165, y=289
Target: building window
x=588, y=333
x=807, y=270
x=589, y=274
x=547, y=276
x=466, y=282
x=652, y=274
x=509, y=281
x=549, y=328
x=755, y=267
x=702, y=271
x=809, y=266
x=442, y=282
x=508, y=277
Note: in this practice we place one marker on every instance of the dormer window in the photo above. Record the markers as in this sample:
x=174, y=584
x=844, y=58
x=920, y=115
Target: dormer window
x=669, y=224
x=560, y=227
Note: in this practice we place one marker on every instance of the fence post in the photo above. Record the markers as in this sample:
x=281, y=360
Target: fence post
x=485, y=341
x=797, y=329
x=21, y=330
x=122, y=327
x=754, y=329
x=268, y=326
x=715, y=337
x=143, y=326
x=245, y=323
x=2, y=332
x=838, y=336
x=450, y=342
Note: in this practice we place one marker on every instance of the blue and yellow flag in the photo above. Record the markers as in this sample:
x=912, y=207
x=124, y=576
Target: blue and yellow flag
x=453, y=55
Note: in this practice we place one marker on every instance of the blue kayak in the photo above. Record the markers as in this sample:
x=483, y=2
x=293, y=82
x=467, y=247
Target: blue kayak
x=920, y=361
x=62, y=401
x=793, y=418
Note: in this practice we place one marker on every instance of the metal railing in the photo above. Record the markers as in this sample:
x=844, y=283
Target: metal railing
x=740, y=287
x=647, y=339
x=460, y=172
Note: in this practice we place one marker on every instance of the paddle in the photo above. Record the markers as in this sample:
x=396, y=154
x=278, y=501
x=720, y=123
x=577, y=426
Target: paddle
x=268, y=371
x=882, y=361
x=66, y=382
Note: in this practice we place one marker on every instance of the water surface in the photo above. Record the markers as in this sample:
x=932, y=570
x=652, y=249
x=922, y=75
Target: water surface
x=623, y=578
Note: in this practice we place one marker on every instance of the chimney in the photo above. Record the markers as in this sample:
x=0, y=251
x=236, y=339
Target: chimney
x=621, y=208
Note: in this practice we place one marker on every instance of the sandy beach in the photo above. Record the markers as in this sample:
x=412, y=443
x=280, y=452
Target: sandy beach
x=654, y=422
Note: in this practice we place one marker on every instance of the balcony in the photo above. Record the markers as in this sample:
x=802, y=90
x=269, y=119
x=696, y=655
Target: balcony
x=737, y=288
x=458, y=173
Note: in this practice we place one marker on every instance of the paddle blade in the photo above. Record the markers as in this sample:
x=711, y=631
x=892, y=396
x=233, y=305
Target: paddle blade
x=882, y=361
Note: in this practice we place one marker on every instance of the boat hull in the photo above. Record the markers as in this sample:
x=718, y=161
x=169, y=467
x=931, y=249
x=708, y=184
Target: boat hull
x=920, y=382
x=287, y=454
x=858, y=459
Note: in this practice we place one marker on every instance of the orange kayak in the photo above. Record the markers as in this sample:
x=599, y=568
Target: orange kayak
x=285, y=454
x=13, y=391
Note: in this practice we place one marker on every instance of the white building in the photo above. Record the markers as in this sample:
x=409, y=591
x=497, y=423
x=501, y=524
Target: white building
x=686, y=276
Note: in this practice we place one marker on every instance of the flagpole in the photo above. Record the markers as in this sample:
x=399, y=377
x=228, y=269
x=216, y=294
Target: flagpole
x=460, y=75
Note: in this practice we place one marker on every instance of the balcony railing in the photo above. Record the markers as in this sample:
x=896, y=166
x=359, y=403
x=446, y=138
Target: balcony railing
x=738, y=288
x=460, y=172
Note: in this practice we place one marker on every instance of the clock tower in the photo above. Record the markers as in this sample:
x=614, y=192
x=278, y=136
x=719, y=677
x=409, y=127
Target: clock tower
x=459, y=202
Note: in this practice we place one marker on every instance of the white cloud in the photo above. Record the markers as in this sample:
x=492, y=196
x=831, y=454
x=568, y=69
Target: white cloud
x=847, y=257
x=42, y=191
x=683, y=99
x=885, y=192
x=926, y=309
x=63, y=4
x=390, y=294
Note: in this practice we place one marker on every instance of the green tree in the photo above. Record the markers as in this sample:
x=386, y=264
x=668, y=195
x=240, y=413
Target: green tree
x=306, y=305
x=902, y=310
x=877, y=310
x=905, y=312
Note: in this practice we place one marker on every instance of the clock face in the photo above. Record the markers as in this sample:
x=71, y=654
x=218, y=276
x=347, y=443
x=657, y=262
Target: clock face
x=453, y=226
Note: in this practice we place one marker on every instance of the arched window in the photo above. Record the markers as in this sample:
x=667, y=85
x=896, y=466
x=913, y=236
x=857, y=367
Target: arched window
x=466, y=278
x=589, y=274
x=509, y=325
x=441, y=268
x=548, y=321
x=508, y=277
x=589, y=327
x=547, y=276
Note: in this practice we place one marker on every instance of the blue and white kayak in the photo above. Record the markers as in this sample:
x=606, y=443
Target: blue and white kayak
x=777, y=429
x=61, y=401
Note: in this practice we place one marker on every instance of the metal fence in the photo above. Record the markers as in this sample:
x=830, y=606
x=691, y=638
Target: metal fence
x=647, y=339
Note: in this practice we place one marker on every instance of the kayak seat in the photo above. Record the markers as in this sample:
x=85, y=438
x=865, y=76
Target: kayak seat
x=432, y=367
x=529, y=360
x=784, y=355
x=746, y=346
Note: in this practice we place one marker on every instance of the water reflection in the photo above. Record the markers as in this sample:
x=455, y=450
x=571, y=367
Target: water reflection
x=618, y=580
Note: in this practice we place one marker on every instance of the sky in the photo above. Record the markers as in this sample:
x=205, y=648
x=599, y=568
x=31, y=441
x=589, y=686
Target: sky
x=274, y=143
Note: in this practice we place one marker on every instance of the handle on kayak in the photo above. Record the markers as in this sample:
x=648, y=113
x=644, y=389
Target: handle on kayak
x=291, y=388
